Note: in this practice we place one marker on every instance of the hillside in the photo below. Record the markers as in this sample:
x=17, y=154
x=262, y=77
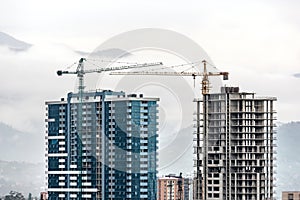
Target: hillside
x=175, y=157
x=19, y=146
x=22, y=177
x=288, y=160
x=13, y=43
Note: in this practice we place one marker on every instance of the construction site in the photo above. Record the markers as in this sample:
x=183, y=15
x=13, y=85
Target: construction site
x=235, y=146
x=105, y=143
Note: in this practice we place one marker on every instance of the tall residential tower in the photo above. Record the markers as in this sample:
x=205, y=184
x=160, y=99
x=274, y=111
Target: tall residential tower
x=234, y=146
x=102, y=148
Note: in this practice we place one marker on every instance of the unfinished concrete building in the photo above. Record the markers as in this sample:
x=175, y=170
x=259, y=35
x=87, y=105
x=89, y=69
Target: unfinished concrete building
x=234, y=146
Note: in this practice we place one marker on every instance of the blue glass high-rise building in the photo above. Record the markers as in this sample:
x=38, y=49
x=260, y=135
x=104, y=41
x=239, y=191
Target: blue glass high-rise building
x=102, y=148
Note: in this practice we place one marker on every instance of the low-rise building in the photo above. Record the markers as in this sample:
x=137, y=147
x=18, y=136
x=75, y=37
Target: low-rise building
x=172, y=187
x=291, y=195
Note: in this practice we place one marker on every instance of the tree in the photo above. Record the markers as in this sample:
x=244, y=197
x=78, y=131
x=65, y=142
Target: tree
x=13, y=195
x=29, y=196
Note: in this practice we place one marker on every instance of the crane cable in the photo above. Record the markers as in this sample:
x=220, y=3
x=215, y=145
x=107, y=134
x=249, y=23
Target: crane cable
x=68, y=67
x=174, y=66
x=135, y=63
x=107, y=61
x=112, y=61
x=212, y=65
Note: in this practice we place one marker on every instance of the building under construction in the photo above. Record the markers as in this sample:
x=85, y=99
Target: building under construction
x=234, y=146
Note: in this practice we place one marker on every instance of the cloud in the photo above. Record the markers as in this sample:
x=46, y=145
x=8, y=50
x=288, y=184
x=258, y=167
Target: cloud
x=28, y=79
x=297, y=75
x=13, y=43
x=108, y=53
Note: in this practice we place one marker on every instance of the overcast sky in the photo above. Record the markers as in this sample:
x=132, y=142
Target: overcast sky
x=257, y=41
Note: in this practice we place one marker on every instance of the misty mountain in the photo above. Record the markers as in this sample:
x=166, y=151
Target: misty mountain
x=297, y=75
x=22, y=177
x=288, y=159
x=19, y=146
x=176, y=155
x=13, y=43
x=107, y=53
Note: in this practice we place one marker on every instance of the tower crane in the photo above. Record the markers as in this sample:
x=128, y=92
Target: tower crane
x=80, y=72
x=205, y=92
x=205, y=74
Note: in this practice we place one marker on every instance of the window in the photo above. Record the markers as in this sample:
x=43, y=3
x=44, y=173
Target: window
x=290, y=196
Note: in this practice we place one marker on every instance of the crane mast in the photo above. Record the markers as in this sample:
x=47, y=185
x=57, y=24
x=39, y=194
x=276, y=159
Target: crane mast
x=205, y=81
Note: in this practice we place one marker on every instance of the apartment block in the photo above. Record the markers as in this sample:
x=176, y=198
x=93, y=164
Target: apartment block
x=234, y=146
x=101, y=147
x=172, y=187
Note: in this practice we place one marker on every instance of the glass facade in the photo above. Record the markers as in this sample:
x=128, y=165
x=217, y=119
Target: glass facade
x=103, y=147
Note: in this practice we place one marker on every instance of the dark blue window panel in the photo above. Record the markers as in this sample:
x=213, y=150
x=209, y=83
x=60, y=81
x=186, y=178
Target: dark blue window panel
x=52, y=196
x=53, y=163
x=52, y=180
x=53, y=113
x=53, y=146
